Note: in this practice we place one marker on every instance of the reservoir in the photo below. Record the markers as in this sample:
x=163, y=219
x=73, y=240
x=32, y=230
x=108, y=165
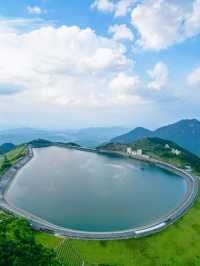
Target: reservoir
x=93, y=192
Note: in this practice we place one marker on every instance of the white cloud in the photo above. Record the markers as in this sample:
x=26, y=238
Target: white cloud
x=122, y=7
x=121, y=32
x=34, y=10
x=103, y=5
x=158, y=22
x=159, y=76
x=119, y=8
x=193, y=20
x=123, y=83
x=64, y=67
x=162, y=23
x=193, y=78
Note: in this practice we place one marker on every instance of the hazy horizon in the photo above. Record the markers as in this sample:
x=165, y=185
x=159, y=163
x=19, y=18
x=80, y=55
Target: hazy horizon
x=128, y=127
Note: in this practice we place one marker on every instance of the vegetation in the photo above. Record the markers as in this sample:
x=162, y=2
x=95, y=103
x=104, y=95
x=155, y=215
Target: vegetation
x=11, y=157
x=18, y=246
x=68, y=255
x=156, y=148
x=4, y=148
x=40, y=143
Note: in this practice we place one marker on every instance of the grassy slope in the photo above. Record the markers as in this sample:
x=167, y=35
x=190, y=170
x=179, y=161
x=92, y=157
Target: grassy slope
x=13, y=156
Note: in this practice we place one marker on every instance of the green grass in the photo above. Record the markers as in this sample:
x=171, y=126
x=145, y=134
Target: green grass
x=17, y=153
x=13, y=156
x=178, y=245
x=47, y=240
x=68, y=255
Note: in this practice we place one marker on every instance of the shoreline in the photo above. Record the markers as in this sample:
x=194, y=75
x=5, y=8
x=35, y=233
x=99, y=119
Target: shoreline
x=40, y=224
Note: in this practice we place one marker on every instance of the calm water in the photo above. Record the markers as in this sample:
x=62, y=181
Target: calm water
x=92, y=192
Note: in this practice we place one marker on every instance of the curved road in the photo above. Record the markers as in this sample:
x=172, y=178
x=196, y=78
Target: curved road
x=41, y=224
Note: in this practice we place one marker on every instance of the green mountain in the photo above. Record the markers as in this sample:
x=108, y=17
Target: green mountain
x=185, y=133
x=41, y=143
x=161, y=149
x=6, y=147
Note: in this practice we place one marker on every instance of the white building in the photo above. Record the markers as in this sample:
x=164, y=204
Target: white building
x=175, y=151
x=137, y=152
x=129, y=150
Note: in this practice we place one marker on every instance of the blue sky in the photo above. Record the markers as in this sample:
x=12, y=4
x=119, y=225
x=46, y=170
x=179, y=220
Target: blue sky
x=70, y=64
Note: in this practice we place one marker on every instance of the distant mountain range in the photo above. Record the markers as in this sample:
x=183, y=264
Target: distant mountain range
x=89, y=137
x=185, y=133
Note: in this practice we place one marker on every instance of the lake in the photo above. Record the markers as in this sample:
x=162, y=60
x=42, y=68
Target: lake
x=93, y=192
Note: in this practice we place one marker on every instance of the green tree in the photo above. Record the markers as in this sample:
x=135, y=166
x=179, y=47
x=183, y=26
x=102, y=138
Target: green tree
x=18, y=246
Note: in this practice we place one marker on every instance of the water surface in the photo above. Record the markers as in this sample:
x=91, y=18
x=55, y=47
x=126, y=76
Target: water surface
x=92, y=192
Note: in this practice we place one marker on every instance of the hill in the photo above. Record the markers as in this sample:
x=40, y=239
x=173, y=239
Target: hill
x=89, y=137
x=6, y=147
x=186, y=133
x=41, y=143
x=161, y=149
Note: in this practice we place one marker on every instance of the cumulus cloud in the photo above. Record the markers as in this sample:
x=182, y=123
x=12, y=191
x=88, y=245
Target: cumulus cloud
x=122, y=7
x=121, y=32
x=124, y=83
x=62, y=66
x=119, y=8
x=34, y=10
x=163, y=23
x=159, y=76
x=193, y=20
x=103, y=5
x=193, y=78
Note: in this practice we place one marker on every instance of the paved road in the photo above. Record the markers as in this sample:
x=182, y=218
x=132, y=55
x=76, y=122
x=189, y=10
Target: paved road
x=41, y=224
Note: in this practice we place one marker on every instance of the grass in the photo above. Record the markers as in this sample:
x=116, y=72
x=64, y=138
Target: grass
x=47, y=240
x=17, y=153
x=178, y=245
x=13, y=156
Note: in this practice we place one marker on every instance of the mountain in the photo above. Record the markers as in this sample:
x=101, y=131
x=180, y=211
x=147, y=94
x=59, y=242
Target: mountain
x=6, y=147
x=164, y=150
x=42, y=143
x=89, y=137
x=94, y=136
x=185, y=133
x=133, y=135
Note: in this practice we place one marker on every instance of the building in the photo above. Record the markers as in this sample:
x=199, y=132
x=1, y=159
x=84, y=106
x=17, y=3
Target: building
x=175, y=151
x=129, y=150
x=137, y=152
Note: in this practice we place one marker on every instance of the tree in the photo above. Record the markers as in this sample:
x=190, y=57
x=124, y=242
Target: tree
x=18, y=246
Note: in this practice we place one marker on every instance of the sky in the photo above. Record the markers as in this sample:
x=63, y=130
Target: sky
x=74, y=64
